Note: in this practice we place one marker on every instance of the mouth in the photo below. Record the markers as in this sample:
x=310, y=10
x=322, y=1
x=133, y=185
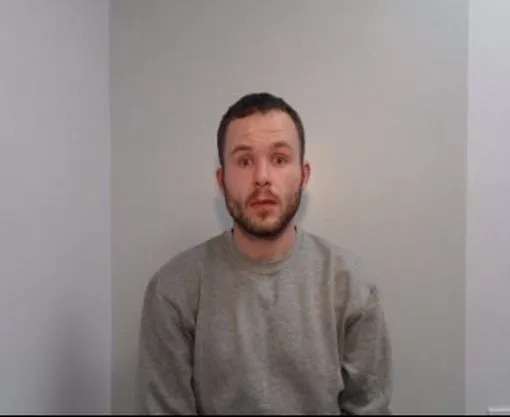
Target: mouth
x=263, y=203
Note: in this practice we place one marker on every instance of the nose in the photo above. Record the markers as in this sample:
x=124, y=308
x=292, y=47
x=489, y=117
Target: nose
x=261, y=174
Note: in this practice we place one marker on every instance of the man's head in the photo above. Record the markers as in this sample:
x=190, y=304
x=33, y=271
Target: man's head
x=261, y=145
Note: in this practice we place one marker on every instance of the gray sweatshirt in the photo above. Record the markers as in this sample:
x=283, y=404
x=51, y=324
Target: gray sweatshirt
x=224, y=334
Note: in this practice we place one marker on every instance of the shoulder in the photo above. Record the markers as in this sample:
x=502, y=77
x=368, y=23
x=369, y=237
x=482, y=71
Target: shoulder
x=181, y=274
x=324, y=250
x=353, y=280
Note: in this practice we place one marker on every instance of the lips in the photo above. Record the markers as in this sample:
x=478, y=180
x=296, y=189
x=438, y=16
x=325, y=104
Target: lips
x=263, y=202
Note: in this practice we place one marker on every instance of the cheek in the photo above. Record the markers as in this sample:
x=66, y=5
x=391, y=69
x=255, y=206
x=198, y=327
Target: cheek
x=291, y=183
x=236, y=185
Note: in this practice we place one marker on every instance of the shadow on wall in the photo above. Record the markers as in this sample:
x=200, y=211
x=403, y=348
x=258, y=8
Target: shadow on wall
x=225, y=221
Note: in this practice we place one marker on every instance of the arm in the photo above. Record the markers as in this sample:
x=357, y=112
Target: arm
x=366, y=361
x=164, y=380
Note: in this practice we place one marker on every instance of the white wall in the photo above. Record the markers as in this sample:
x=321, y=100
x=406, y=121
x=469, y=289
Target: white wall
x=381, y=87
x=488, y=208
x=54, y=207
x=393, y=80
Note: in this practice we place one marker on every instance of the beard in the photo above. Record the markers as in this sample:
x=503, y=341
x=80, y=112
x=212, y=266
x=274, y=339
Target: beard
x=253, y=224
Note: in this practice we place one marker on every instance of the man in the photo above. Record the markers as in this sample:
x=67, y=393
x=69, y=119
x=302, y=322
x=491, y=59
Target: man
x=264, y=318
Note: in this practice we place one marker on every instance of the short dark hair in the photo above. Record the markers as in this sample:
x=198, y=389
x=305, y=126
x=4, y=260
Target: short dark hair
x=257, y=103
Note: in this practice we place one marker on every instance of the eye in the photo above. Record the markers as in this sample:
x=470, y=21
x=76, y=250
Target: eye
x=280, y=159
x=244, y=161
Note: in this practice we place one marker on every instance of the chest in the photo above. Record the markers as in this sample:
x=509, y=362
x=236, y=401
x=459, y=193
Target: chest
x=266, y=324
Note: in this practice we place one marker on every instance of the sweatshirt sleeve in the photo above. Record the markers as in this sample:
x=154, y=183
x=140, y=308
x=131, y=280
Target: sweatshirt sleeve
x=164, y=378
x=366, y=360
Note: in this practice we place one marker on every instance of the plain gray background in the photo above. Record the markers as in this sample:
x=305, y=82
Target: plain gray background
x=55, y=261
x=405, y=104
x=381, y=88
x=488, y=208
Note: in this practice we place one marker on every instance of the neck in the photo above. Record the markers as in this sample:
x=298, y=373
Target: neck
x=265, y=249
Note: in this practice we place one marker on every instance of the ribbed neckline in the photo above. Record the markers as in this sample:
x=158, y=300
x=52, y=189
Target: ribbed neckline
x=261, y=266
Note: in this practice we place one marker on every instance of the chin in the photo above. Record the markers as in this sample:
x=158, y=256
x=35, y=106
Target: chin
x=269, y=229
x=266, y=228
x=269, y=223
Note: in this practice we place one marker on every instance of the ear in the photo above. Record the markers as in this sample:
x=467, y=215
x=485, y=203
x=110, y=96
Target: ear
x=306, y=174
x=219, y=179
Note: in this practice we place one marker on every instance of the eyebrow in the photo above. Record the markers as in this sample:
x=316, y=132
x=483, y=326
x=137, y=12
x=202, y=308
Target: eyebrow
x=279, y=144
x=240, y=148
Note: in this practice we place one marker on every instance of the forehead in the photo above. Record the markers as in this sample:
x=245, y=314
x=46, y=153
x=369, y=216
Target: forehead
x=262, y=130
